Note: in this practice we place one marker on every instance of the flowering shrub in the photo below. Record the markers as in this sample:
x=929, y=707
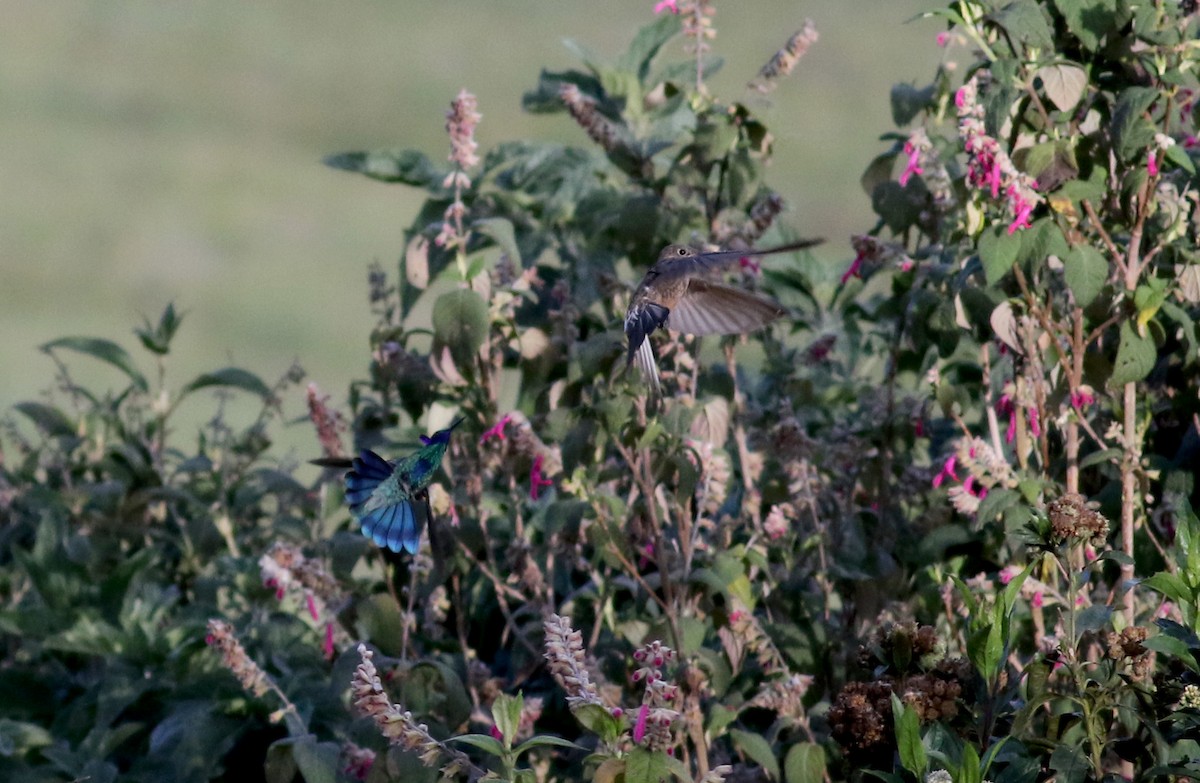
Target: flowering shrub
x=935, y=526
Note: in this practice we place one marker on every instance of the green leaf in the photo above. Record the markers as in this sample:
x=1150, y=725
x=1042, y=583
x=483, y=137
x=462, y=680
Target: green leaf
x=969, y=772
x=645, y=766
x=1170, y=585
x=229, y=377
x=1132, y=132
x=1169, y=645
x=545, y=741
x=106, y=351
x=908, y=101
x=500, y=231
x=317, y=761
x=409, y=167
x=1070, y=764
x=1135, y=357
x=1041, y=240
x=1178, y=155
x=598, y=720
x=908, y=738
x=1063, y=83
x=460, y=322
x=757, y=749
x=483, y=742
x=1085, y=270
x=1090, y=20
x=805, y=763
x=1024, y=22
x=506, y=712
x=646, y=44
x=18, y=737
x=998, y=251
x=48, y=419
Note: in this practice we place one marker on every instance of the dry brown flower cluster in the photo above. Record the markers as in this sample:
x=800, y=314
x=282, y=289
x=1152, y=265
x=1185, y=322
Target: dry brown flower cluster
x=568, y=661
x=327, y=421
x=398, y=725
x=222, y=639
x=1128, y=645
x=786, y=58
x=582, y=109
x=1070, y=519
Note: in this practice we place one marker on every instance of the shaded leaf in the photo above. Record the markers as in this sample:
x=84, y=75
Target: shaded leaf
x=1085, y=270
x=645, y=766
x=805, y=763
x=908, y=738
x=1063, y=84
x=757, y=749
x=998, y=251
x=47, y=418
x=1135, y=357
x=460, y=322
x=106, y=351
x=229, y=377
x=409, y=167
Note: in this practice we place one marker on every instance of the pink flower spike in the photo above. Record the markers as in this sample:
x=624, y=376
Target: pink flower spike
x=666, y=5
x=497, y=429
x=1023, y=209
x=1189, y=142
x=312, y=606
x=913, y=166
x=327, y=645
x=960, y=97
x=1089, y=553
x=1038, y=599
x=943, y=38
x=639, y=729
x=855, y=269
x=1152, y=163
x=1007, y=573
x=1081, y=399
x=536, y=479
x=1035, y=426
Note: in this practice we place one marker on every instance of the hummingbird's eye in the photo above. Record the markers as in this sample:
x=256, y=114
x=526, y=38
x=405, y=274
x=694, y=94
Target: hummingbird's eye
x=682, y=251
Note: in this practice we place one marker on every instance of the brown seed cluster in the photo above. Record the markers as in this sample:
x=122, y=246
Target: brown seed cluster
x=861, y=716
x=786, y=58
x=1070, y=518
x=1128, y=644
x=896, y=646
x=582, y=109
x=222, y=639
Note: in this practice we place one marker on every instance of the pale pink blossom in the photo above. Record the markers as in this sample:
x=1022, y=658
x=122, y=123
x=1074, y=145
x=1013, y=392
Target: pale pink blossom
x=666, y=5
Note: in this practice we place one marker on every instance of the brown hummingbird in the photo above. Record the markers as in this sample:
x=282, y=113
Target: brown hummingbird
x=679, y=293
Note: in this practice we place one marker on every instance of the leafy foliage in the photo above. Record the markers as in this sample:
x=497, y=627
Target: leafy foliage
x=875, y=538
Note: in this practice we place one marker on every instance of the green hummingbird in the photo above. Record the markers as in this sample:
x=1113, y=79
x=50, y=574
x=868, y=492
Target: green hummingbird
x=381, y=493
x=679, y=293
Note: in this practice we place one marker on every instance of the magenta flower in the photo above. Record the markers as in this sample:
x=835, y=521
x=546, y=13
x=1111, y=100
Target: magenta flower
x=639, y=729
x=1005, y=407
x=666, y=5
x=1007, y=573
x=536, y=479
x=312, y=606
x=327, y=645
x=1081, y=399
x=1035, y=426
x=1039, y=599
x=497, y=429
x=495, y=732
x=946, y=472
x=751, y=264
x=1190, y=141
x=914, y=162
x=1152, y=163
x=855, y=269
x=1021, y=207
x=943, y=38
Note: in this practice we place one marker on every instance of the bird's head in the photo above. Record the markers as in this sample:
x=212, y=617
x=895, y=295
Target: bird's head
x=442, y=436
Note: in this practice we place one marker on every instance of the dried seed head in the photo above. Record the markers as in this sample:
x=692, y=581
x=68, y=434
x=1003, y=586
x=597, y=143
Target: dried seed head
x=786, y=58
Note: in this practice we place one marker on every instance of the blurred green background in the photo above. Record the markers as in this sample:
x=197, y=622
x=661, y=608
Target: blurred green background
x=170, y=151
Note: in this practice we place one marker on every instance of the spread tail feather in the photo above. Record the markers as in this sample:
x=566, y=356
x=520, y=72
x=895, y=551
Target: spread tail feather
x=393, y=527
x=644, y=358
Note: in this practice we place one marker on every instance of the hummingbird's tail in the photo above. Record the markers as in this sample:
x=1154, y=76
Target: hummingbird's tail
x=393, y=526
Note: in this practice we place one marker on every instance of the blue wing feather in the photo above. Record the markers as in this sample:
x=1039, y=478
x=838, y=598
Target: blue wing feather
x=393, y=527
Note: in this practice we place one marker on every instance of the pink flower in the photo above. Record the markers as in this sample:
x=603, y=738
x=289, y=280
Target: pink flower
x=1005, y=407
x=1038, y=599
x=751, y=264
x=1089, y=553
x=666, y=5
x=1152, y=163
x=914, y=162
x=647, y=556
x=536, y=479
x=855, y=269
x=1035, y=427
x=943, y=38
x=1189, y=142
x=1022, y=208
x=497, y=429
x=907, y=264
x=1081, y=399
x=327, y=644
x=312, y=606
x=946, y=472
x=960, y=98
x=495, y=732
x=639, y=729
x=1007, y=573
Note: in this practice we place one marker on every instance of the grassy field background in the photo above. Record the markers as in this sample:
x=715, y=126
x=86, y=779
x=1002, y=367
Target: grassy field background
x=158, y=152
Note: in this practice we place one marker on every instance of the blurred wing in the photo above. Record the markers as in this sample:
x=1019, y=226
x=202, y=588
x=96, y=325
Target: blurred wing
x=393, y=527
x=644, y=359
x=711, y=308
x=369, y=470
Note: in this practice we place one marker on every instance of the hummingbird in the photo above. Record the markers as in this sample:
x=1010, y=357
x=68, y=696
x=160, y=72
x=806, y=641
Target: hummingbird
x=381, y=492
x=679, y=293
